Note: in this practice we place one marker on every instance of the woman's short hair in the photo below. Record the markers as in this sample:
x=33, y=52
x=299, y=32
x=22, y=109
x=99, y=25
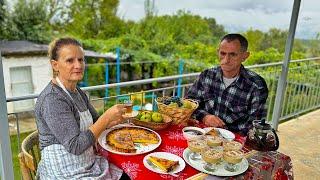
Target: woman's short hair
x=57, y=44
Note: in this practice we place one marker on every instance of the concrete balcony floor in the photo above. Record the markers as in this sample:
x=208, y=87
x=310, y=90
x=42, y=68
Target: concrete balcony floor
x=300, y=139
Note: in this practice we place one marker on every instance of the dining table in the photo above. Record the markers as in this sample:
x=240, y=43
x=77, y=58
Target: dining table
x=262, y=165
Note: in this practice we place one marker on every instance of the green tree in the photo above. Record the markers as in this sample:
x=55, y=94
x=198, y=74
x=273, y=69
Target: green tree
x=255, y=39
x=275, y=38
x=6, y=24
x=189, y=28
x=265, y=56
x=2, y=4
x=205, y=54
x=314, y=47
x=3, y=16
x=95, y=19
x=27, y=25
x=149, y=8
x=217, y=30
x=58, y=13
x=2, y=11
x=133, y=42
x=163, y=33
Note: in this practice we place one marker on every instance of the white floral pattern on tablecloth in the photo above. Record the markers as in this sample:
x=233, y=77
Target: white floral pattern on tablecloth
x=167, y=176
x=131, y=169
x=174, y=150
x=174, y=135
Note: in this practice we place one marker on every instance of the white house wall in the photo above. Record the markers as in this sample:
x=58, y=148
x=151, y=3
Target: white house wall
x=40, y=71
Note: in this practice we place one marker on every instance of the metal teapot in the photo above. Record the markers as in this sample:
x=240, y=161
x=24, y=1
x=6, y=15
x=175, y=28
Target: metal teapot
x=262, y=137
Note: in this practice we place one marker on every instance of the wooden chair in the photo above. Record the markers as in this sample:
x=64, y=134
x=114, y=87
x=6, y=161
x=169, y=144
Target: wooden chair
x=29, y=156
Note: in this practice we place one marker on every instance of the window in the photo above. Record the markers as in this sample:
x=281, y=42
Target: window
x=21, y=84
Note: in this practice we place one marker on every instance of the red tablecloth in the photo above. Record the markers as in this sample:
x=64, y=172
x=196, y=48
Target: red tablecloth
x=274, y=165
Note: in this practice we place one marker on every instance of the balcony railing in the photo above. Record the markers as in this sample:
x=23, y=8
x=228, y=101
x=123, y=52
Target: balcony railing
x=302, y=92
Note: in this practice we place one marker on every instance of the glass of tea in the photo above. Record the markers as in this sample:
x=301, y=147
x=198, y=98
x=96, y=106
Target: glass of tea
x=128, y=106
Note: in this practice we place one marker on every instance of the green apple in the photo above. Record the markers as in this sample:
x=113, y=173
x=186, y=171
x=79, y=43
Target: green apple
x=146, y=117
x=156, y=117
x=143, y=113
x=173, y=104
x=187, y=105
x=139, y=115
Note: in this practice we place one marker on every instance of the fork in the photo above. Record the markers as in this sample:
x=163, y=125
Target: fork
x=155, y=166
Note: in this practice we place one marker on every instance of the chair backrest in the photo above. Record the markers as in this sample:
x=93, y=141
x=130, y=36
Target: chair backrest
x=29, y=156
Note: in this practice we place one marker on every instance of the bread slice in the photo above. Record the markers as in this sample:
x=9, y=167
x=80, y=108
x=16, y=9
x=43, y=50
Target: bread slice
x=165, y=165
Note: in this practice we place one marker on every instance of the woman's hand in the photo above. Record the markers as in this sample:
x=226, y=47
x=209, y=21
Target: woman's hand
x=212, y=120
x=110, y=117
x=114, y=115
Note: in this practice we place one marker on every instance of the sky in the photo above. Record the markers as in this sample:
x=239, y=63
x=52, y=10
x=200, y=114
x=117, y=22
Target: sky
x=237, y=15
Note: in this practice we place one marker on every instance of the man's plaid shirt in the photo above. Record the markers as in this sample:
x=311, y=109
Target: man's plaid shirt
x=237, y=105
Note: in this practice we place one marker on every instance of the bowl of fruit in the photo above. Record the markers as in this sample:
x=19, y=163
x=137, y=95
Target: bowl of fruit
x=152, y=120
x=179, y=109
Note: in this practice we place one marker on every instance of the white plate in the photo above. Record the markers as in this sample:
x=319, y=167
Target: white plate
x=141, y=149
x=168, y=156
x=133, y=114
x=224, y=133
x=190, y=136
x=198, y=165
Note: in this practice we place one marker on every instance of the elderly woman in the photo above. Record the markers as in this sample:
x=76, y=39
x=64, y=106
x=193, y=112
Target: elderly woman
x=68, y=124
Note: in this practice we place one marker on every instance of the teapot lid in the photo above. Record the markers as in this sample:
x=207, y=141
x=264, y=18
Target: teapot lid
x=261, y=124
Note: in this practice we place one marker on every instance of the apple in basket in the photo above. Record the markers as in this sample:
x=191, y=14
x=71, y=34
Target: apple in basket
x=173, y=104
x=145, y=116
x=187, y=105
x=156, y=117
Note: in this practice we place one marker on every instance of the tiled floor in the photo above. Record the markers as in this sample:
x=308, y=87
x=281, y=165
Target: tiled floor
x=300, y=139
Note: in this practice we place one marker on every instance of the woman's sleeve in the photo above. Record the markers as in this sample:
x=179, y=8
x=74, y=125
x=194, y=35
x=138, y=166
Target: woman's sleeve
x=93, y=112
x=95, y=115
x=59, y=115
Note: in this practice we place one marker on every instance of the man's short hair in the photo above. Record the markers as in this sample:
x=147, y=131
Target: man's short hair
x=231, y=37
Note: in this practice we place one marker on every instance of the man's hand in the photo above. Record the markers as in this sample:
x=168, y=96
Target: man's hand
x=212, y=120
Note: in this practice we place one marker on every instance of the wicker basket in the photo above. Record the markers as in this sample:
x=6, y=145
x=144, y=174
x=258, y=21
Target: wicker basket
x=153, y=125
x=179, y=115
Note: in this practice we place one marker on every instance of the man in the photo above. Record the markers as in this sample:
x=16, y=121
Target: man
x=230, y=95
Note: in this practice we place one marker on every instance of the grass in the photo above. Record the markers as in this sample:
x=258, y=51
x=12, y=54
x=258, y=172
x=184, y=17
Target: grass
x=15, y=152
